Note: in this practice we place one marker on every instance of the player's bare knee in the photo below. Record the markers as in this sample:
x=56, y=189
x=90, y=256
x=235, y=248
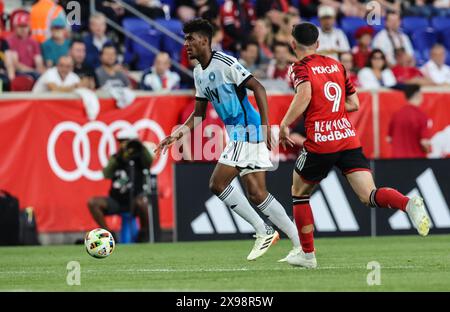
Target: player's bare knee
x=257, y=196
x=216, y=187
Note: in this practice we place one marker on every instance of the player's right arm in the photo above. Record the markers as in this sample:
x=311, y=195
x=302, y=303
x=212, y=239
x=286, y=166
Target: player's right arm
x=299, y=104
x=352, y=103
x=197, y=116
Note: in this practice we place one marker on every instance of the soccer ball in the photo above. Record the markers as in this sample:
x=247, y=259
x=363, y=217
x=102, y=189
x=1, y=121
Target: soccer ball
x=99, y=243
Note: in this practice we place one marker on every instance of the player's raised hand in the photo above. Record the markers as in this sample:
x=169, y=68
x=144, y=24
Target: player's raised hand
x=284, y=137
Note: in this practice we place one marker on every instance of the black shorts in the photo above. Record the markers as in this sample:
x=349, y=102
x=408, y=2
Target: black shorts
x=313, y=167
x=115, y=207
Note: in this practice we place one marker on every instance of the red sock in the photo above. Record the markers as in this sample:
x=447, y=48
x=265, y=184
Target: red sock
x=303, y=216
x=386, y=197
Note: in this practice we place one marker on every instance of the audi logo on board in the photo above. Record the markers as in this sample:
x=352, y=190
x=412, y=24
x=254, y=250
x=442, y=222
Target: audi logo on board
x=106, y=147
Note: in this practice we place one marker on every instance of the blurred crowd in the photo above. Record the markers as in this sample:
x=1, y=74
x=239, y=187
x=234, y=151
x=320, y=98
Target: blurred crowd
x=40, y=51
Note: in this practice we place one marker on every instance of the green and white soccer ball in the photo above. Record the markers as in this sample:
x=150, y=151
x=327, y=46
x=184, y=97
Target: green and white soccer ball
x=99, y=243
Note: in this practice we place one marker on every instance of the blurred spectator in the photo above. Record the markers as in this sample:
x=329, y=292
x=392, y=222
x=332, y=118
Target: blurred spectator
x=377, y=73
x=353, y=8
x=190, y=9
x=237, y=18
x=405, y=72
x=418, y=8
x=110, y=8
x=43, y=14
x=391, y=38
x=96, y=39
x=308, y=8
x=6, y=66
x=278, y=68
x=85, y=72
x=332, y=40
x=249, y=58
x=275, y=10
x=442, y=7
x=409, y=129
x=390, y=6
x=346, y=60
x=127, y=194
x=57, y=45
x=262, y=33
x=436, y=69
x=60, y=78
x=284, y=32
x=217, y=38
x=110, y=74
x=362, y=49
x=150, y=8
x=25, y=51
x=159, y=77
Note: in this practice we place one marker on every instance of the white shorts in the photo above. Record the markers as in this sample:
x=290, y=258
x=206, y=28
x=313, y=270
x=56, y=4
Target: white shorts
x=246, y=156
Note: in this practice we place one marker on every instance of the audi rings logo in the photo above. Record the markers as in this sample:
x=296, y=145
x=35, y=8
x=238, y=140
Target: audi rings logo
x=107, y=142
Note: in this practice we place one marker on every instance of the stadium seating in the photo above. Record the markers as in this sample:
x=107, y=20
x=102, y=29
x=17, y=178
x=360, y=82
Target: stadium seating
x=169, y=45
x=350, y=24
x=411, y=24
x=440, y=24
x=135, y=52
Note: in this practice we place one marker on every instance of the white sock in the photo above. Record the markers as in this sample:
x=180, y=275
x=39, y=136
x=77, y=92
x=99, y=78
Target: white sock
x=276, y=213
x=237, y=202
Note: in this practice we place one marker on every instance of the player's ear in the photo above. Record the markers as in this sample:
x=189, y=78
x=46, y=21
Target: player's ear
x=293, y=45
x=317, y=44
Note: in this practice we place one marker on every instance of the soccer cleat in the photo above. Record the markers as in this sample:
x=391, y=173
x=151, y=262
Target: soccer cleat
x=418, y=215
x=293, y=252
x=306, y=260
x=262, y=243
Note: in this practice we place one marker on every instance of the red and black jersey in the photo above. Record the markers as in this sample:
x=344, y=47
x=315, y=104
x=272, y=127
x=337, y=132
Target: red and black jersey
x=328, y=129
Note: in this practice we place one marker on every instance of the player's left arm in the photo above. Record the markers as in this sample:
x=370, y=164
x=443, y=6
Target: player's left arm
x=299, y=104
x=261, y=100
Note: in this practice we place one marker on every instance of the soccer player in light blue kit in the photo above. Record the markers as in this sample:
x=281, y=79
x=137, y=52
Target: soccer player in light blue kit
x=221, y=80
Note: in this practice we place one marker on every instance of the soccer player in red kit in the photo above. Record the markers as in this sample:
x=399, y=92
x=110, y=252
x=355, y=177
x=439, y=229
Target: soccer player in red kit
x=324, y=95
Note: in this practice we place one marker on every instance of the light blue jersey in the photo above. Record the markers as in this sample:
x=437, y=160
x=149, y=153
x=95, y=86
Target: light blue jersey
x=222, y=83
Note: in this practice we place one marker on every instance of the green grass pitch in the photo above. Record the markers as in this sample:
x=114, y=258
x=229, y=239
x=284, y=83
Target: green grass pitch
x=408, y=263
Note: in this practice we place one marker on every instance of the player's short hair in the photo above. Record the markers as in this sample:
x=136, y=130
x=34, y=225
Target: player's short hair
x=305, y=33
x=410, y=90
x=200, y=26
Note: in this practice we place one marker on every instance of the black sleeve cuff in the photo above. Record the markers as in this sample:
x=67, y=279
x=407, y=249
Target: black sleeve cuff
x=200, y=99
x=245, y=81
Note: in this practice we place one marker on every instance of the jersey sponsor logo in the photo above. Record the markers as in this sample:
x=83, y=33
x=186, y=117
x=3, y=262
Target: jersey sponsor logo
x=82, y=148
x=212, y=94
x=325, y=69
x=333, y=130
x=435, y=203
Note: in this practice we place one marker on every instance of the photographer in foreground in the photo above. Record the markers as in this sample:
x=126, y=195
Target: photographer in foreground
x=126, y=170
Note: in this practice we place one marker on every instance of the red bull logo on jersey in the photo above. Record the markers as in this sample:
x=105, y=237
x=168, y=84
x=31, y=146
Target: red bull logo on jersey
x=333, y=130
x=325, y=69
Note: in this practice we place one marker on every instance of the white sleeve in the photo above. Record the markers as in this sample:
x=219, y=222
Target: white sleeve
x=198, y=92
x=236, y=73
x=41, y=83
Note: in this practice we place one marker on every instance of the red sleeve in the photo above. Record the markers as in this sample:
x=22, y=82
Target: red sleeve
x=298, y=73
